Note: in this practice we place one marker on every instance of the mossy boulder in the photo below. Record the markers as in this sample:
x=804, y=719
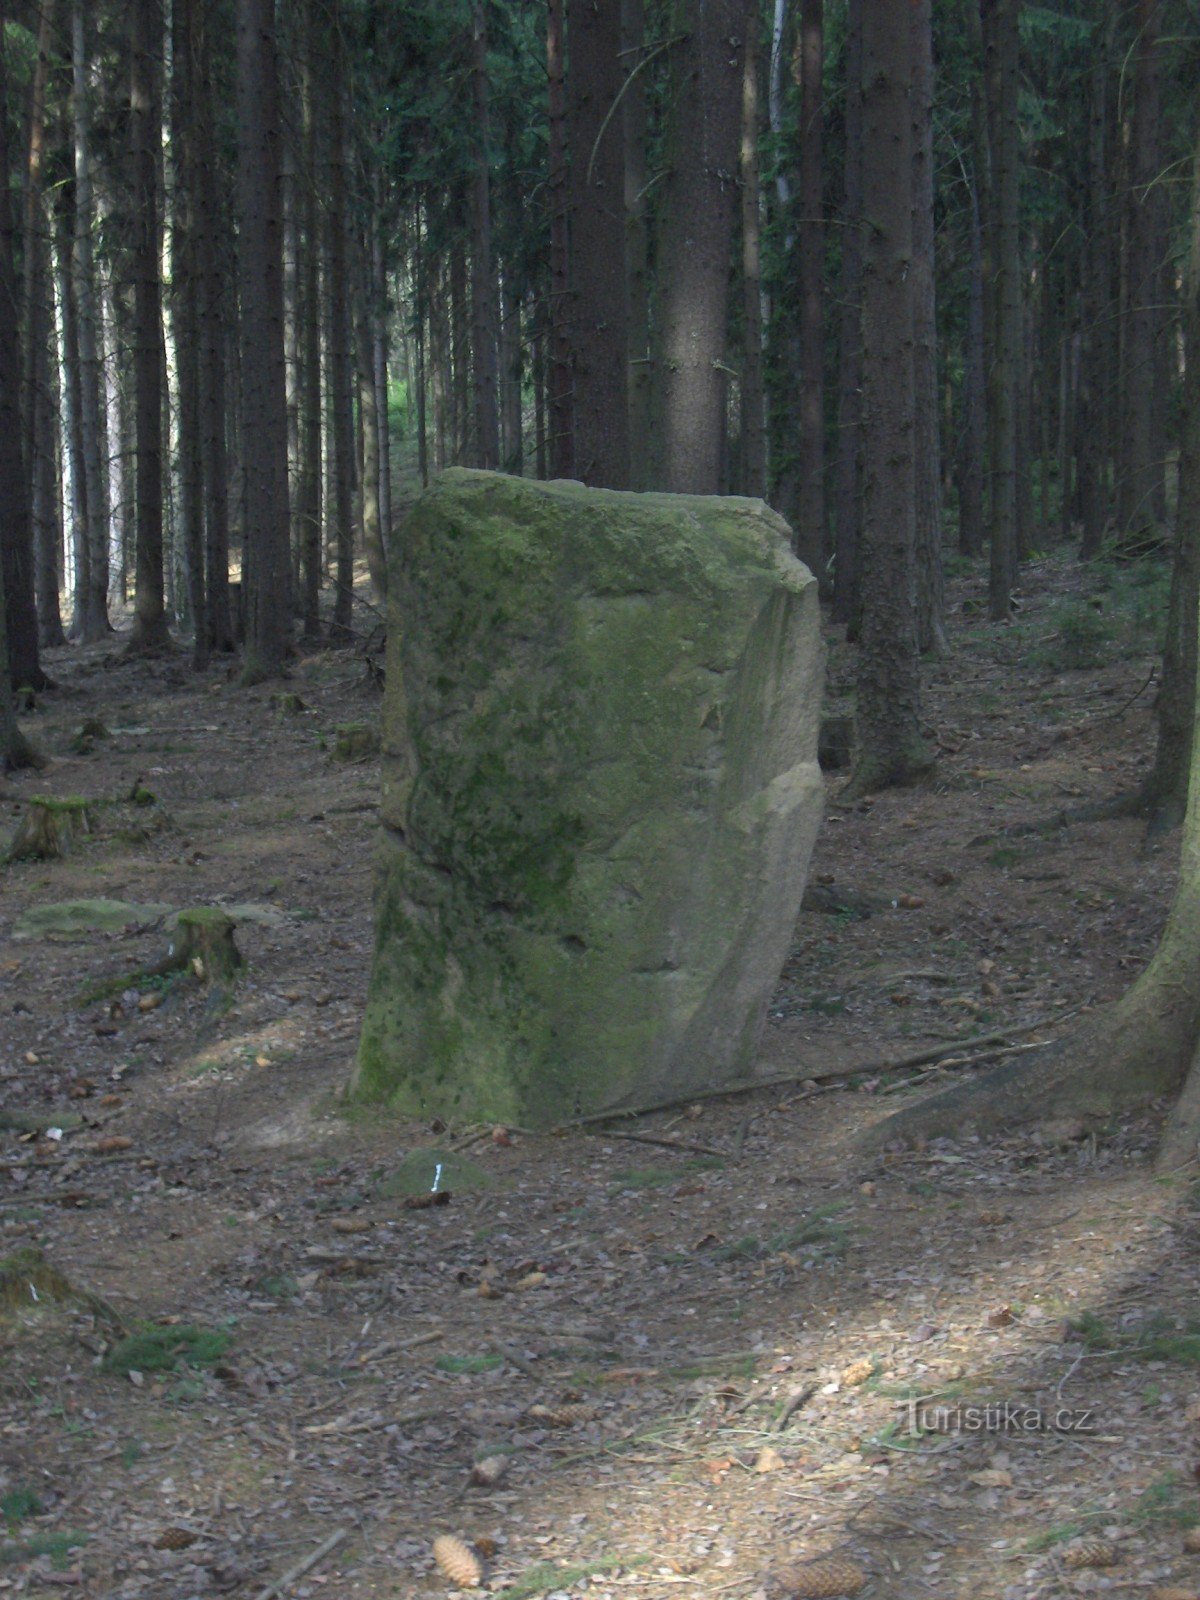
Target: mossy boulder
x=600, y=796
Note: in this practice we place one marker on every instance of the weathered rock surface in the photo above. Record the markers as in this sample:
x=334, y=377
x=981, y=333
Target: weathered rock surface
x=600, y=796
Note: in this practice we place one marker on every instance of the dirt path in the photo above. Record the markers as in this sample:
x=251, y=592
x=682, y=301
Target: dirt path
x=693, y=1364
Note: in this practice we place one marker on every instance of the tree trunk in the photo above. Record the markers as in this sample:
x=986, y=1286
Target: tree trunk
x=308, y=487
x=561, y=395
x=972, y=451
x=266, y=567
x=891, y=750
x=697, y=236
x=931, y=591
x=379, y=369
x=16, y=521
x=637, y=243
x=848, y=510
x=91, y=598
x=1001, y=66
x=212, y=335
x=368, y=416
x=598, y=305
x=1140, y=473
x=810, y=243
x=185, y=305
x=1146, y=1044
x=753, y=420
x=483, y=282
x=145, y=143
x=337, y=292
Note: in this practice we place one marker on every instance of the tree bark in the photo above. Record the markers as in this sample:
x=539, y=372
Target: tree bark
x=308, y=487
x=810, y=244
x=266, y=567
x=337, y=322
x=848, y=498
x=483, y=281
x=753, y=407
x=1140, y=473
x=697, y=237
x=637, y=244
x=972, y=453
x=145, y=141
x=1001, y=66
x=891, y=750
x=561, y=396
x=368, y=415
x=931, y=590
x=598, y=305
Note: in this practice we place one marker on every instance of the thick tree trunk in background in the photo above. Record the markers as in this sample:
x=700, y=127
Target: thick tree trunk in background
x=379, y=369
x=308, y=487
x=1142, y=448
x=637, y=245
x=213, y=311
x=483, y=280
x=972, y=447
x=598, y=314
x=931, y=591
x=512, y=374
x=1001, y=65
x=561, y=397
x=337, y=322
x=810, y=243
x=72, y=397
x=753, y=419
x=461, y=440
x=697, y=236
x=145, y=141
x=891, y=750
x=848, y=498
x=1094, y=377
x=185, y=306
x=266, y=566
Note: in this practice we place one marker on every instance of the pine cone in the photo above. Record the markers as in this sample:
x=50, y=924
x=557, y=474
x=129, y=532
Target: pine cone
x=1090, y=1553
x=489, y=1471
x=175, y=1539
x=822, y=1580
x=457, y=1561
x=561, y=1416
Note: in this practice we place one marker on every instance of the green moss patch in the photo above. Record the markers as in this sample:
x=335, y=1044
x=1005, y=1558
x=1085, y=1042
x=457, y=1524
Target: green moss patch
x=153, y=1348
x=81, y=919
x=423, y=1170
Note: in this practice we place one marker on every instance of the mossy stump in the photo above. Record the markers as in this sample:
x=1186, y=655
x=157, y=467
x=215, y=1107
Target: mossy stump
x=288, y=704
x=355, y=742
x=204, y=945
x=600, y=792
x=51, y=828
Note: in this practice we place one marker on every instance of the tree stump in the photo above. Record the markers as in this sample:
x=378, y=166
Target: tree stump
x=204, y=945
x=51, y=828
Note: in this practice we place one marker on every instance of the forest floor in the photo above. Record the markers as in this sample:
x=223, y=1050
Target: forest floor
x=609, y=1366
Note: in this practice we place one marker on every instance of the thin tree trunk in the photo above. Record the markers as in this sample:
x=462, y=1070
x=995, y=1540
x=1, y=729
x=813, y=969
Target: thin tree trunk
x=337, y=294
x=637, y=244
x=368, y=412
x=972, y=452
x=1140, y=476
x=753, y=397
x=931, y=592
x=379, y=370
x=308, y=487
x=599, y=296
x=212, y=334
x=891, y=750
x=810, y=240
x=145, y=144
x=1001, y=60
x=697, y=237
x=848, y=476
x=483, y=282
x=185, y=306
x=561, y=393
x=265, y=567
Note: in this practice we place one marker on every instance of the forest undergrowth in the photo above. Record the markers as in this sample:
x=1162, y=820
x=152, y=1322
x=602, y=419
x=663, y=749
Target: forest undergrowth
x=246, y=1350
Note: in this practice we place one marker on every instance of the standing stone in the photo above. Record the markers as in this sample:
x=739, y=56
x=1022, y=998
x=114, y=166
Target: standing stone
x=600, y=796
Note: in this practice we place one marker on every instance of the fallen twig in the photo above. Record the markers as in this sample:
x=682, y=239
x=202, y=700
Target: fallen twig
x=305, y=1564
x=688, y=1145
